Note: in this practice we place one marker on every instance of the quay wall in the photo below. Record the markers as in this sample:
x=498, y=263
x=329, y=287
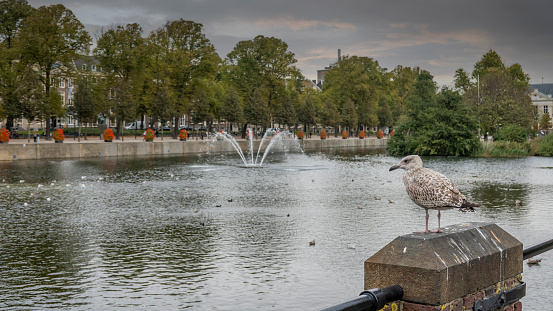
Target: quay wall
x=74, y=150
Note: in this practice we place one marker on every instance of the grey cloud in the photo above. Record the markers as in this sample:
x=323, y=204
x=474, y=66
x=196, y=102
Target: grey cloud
x=437, y=35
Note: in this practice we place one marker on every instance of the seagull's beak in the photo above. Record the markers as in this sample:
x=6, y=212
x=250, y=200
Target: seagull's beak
x=395, y=167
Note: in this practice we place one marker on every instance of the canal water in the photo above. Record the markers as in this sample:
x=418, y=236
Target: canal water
x=206, y=233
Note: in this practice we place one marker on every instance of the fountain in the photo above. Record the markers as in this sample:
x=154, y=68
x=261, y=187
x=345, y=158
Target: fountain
x=277, y=137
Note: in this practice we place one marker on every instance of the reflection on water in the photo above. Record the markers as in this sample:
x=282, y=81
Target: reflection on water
x=206, y=234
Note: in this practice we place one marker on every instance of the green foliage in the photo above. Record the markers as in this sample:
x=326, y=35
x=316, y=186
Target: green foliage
x=545, y=121
x=500, y=101
x=545, y=146
x=503, y=149
x=348, y=116
x=232, y=109
x=309, y=105
x=500, y=96
x=257, y=109
x=359, y=81
x=490, y=60
x=513, y=133
x=262, y=63
x=50, y=36
x=83, y=102
x=286, y=114
x=329, y=115
x=435, y=125
x=12, y=15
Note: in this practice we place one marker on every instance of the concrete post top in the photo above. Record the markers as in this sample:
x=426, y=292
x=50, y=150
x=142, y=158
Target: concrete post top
x=436, y=268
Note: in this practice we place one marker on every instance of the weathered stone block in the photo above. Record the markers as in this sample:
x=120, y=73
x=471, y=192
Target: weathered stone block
x=437, y=268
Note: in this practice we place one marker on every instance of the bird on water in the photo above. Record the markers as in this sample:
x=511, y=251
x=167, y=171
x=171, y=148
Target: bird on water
x=430, y=189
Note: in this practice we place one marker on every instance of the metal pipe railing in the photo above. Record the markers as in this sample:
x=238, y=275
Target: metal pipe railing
x=537, y=249
x=369, y=300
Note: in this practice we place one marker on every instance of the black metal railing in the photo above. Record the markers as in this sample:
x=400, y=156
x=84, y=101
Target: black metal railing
x=537, y=249
x=370, y=300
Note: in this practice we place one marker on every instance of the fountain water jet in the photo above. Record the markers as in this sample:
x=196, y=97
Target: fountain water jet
x=278, y=136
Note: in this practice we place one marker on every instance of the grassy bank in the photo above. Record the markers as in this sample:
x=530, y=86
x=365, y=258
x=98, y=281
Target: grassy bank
x=505, y=149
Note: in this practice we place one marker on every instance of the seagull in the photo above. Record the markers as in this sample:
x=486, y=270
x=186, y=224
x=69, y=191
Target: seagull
x=430, y=189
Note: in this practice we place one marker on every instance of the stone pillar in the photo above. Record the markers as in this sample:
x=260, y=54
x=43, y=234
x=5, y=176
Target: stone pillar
x=452, y=271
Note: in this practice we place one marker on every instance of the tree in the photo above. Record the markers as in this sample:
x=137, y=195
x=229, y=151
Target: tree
x=123, y=105
x=329, y=115
x=163, y=106
x=201, y=108
x=232, y=109
x=545, y=121
x=403, y=79
x=385, y=117
x=349, y=117
x=462, y=80
x=257, y=109
x=12, y=15
x=286, y=115
x=490, y=60
x=437, y=124
x=121, y=52
x=30, y=95
x=83, y=103
x=51, y=37
x=263, y=62
x=360, y=79
x=182, y=56
x=500, y=100
x=309, y=106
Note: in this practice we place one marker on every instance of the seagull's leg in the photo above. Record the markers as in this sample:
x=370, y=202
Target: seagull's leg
x=439, y=228
x=426, y=231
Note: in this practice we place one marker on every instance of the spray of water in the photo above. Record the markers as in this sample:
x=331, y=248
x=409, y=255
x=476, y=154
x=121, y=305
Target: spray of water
x=277, y=136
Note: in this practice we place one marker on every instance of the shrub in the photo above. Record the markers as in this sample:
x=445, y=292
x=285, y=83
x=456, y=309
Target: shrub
x=545, y=146
x=150, y=135
x=301, y=135
x=362, y=134
x=58, y=135
x=108, y=135
x=183, y=134
x=345, y=134
x=504, y=149
x=323, y=134
x=379, y=134
x=4, y=135
x=512, y=132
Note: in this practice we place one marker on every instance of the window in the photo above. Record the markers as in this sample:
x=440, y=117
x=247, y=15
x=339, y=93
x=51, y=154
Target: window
x=83, y=66
x=62, y=97
x=62, y=82
x=545, y=109
x=93, y=67
x=52, y=81
x=70, y=82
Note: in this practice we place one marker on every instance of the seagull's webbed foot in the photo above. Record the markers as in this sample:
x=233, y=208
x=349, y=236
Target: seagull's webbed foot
x=422, y=231
x=436, y=231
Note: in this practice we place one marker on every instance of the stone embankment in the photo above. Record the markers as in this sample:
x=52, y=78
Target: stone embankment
x=21, y=149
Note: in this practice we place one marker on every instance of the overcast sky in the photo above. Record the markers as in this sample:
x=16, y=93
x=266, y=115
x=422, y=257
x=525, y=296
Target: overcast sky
x=437, y=35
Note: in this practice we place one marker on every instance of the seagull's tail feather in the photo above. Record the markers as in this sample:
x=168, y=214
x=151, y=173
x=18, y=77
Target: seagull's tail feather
x=467, y=206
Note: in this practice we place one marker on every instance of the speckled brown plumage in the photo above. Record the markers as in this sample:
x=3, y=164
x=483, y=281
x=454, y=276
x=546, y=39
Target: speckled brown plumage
x=430, y=189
